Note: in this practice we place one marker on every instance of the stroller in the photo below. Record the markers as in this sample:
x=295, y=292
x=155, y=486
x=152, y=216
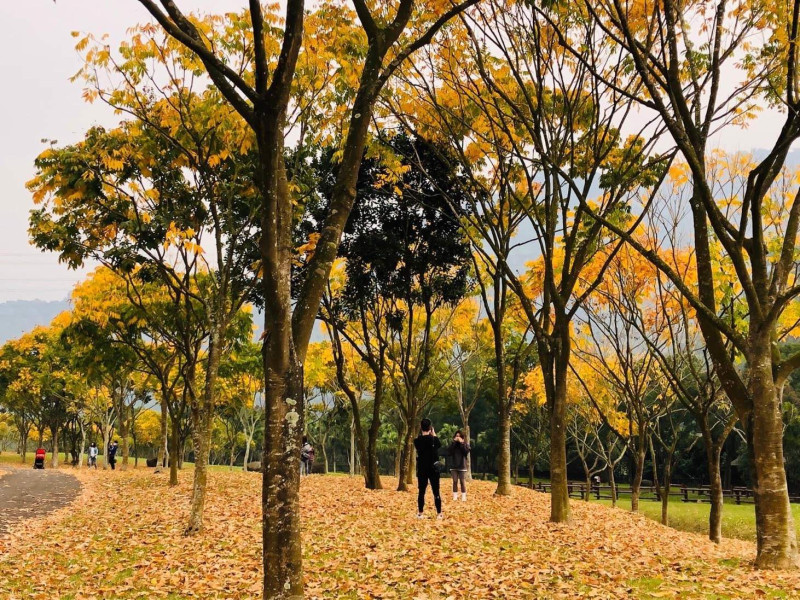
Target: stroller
x=38, y=462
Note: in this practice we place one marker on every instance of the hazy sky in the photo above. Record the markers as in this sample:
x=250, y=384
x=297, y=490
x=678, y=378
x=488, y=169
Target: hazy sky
x=37, y=57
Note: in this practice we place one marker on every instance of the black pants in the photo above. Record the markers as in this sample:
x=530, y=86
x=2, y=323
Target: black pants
x=113, y=462
x=422, y=483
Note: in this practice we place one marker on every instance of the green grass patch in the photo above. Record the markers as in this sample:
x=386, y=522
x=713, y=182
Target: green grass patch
x=738, y=521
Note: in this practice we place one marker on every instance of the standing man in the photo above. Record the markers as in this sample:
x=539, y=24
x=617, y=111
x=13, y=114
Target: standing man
x=93, y=451
x=112, y=454
x=427, y=445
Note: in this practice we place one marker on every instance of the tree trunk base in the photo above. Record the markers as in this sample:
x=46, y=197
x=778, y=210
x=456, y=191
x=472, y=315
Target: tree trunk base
x=777, y=561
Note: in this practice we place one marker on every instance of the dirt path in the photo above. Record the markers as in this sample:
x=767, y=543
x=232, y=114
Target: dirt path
x=26, y=493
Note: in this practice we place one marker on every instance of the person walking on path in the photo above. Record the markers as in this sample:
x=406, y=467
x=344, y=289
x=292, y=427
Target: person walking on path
x=427, y=445
x=457, y=454
x=307, y=456
x=93, y=451
x=112, y=454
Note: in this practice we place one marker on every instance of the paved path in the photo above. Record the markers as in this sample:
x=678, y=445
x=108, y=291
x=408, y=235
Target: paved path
x=26, y=493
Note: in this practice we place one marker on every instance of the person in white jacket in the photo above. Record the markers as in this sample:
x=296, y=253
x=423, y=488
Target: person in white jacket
x=93, y=452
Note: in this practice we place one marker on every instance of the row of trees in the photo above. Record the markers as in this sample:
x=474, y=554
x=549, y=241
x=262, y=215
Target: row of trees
x=102, y=370
x=551, y=133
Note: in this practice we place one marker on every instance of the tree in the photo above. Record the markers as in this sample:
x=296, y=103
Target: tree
x=262, y=101
x=683, y=55
x=614, y=350
x=469, y=363
x=536, y=127
x=404, y=259
x=243, y=373
x=669, y=326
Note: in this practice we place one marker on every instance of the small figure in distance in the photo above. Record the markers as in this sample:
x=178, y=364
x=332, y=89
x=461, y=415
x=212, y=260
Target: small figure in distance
x=457, y=452
x=427, y=445
x=307, y=456
x=93, y=452
x=112, y=454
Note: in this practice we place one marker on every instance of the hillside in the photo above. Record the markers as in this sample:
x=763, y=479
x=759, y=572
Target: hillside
x=19, y=316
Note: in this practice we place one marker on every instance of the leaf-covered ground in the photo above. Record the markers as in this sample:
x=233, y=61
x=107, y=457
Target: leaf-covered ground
x=122, y=539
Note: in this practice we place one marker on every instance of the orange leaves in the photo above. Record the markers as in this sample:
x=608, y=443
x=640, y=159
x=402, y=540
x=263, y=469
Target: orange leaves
x=122, y=539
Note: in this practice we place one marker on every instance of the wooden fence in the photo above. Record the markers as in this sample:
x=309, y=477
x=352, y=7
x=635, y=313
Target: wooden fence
x=740, y=495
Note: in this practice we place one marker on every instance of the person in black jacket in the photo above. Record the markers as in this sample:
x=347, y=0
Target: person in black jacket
x=457, y=452
x=427, y=445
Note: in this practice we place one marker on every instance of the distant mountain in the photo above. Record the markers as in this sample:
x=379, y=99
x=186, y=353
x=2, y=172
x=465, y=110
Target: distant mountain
x=19, y=316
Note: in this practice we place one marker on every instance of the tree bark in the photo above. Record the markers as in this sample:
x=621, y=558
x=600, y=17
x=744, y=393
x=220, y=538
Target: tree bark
x=106, y=442
x=174, y=452
x=162, y=446
x=83, y=444
x=250, y=434
x=283, y=577
x=775, y=532
x=636, y=484
x=559, y=492
x=202, y=423
x=352, y=447
x=123, y=433
x=531, y=467
x=371, y=473
x=405, y=459
x=504, y=458
x=468, y=439
x=54, y=459
x=612, y=482
x=716, y=496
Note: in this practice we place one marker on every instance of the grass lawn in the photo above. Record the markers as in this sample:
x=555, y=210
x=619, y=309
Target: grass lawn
x=122, y=539
x=738, y=521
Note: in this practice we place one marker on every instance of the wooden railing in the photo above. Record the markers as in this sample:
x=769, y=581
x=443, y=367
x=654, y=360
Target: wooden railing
x=740, y=495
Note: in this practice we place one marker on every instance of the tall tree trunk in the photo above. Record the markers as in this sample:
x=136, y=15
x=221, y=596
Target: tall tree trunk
x=504, y=458
x=202, y=423
x=559, y=491
x=175, y=451
x=106, y=442
x=283, y=427
x=715, y=495
x=352, y=447
x=468, y=439
x=713, y=460
x=54, y=459
x=123, y=433
x=411, y=470
x=588, y=484
x=398, y=454
x=23, y=443
x=250, y=434
x=636, y=484
x=531, y=468
x=371, y=474
x=83, y=444
x=161, y=457
x=201, y=438
x=405, y=459
x=776, y=538
x=612, y=482
x=665, y=494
